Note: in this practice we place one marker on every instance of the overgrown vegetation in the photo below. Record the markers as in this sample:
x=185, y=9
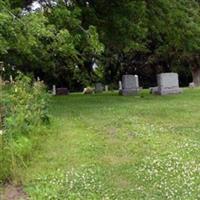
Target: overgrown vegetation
x=24, y=110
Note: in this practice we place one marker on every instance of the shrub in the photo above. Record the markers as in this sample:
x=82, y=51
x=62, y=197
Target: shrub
x=24, y=111
x=88, y=90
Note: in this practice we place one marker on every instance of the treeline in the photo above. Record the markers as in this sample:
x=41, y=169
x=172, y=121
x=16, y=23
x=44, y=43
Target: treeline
x=61, y=41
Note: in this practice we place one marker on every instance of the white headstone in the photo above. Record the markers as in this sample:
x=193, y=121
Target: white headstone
x=38, y=78
x=106, y=88
x=54, y=90
x=11, y=78
x=191, y=85
x=120, y=85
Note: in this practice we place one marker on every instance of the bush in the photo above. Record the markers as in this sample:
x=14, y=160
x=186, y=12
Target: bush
x=88, y=90
x=24, y=111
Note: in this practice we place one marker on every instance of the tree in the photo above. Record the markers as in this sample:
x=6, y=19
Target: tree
x=140, y=35
x=49, y=43
x=61, y=41
x=122, y=28
x=174, y=35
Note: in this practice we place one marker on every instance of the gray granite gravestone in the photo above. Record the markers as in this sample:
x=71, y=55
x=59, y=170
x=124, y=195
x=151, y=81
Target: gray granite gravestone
x=130, y=85
x=99, y=87
x=153, y=90
x=168, y=83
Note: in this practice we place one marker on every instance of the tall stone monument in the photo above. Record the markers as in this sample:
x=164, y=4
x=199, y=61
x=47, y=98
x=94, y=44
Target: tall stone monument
x=130, y=85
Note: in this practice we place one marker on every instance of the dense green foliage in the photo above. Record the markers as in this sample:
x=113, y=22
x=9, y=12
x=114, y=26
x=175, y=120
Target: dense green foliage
x=60, y=42
x=24, y=108
x=146, y=37
x=107, y=146
x=49, y=44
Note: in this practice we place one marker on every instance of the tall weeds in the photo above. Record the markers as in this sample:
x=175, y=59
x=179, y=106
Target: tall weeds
x=24, y=114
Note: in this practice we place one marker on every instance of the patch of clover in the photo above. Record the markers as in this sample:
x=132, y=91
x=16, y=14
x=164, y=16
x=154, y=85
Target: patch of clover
x=171, y=177
x=145, y=129
x=188, y=146
x=182, y=129
x=85, y=183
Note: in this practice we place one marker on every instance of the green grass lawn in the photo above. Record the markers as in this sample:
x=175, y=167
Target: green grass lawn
x=106, y=146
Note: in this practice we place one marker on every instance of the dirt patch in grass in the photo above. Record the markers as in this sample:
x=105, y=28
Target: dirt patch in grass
x=116, y=160
x=12, y=192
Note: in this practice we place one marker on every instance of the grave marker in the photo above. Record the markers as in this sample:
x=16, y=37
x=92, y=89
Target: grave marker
x=99, y=87
x=54, y=90
x=168, y=83
x=130, y=85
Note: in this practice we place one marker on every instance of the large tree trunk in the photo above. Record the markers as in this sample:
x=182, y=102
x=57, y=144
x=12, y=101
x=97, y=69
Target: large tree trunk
x=196, y=76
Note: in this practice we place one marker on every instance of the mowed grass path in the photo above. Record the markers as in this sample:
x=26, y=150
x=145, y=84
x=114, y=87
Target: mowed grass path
x=106, y=146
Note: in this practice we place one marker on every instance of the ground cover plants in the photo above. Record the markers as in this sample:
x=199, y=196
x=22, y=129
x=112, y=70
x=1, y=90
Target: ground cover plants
x=24, y=111
x=107, y=146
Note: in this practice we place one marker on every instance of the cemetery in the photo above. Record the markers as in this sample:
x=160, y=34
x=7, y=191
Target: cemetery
x=99, y=100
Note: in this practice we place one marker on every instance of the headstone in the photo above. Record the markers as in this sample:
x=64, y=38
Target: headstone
x=120, y=85
x=62, y=91
x=168, y=83
x=153, y=90
x=54, y=90
x=11, y=78
x=38, y=78
x=99, y=87
x=106, y=88
x=130, y=85
x=191, y=85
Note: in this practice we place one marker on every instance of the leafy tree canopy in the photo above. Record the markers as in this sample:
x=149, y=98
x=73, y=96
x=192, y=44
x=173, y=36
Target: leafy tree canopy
x=61, y=41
